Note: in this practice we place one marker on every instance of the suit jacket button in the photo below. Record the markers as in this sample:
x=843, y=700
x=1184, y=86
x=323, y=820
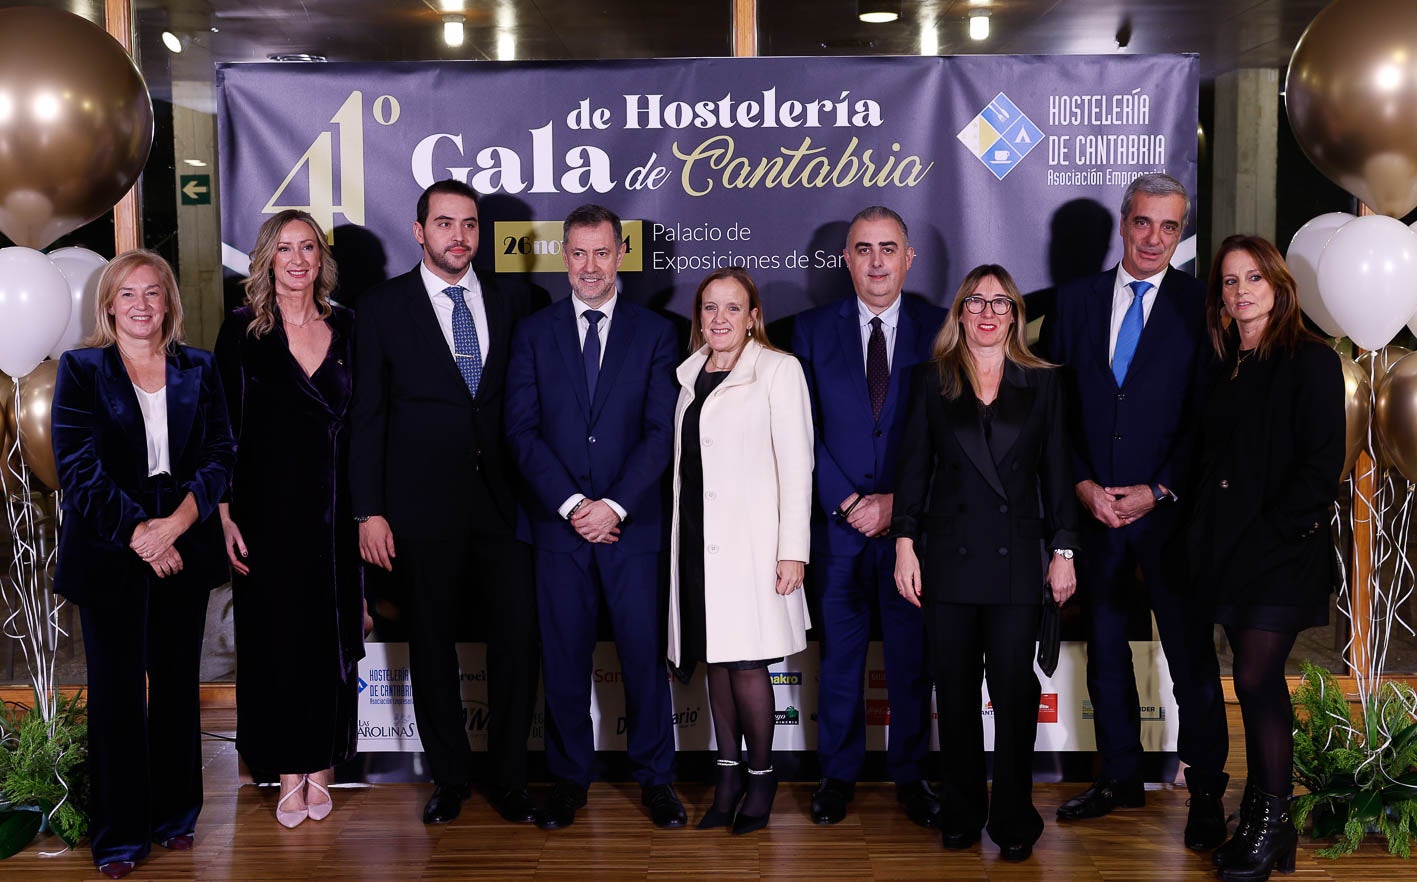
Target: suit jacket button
x=713, y=549
x=1003, y=509
x=1121, y=396
x=1117, y=437
x=963, y=550
x=710, y=495
x=1003, y=551
x=878, y=433
x=591, y=439
x=870, y=476
x=708, y=442
x=1224, y=484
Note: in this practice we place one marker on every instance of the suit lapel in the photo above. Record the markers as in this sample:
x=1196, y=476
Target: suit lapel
x=964, y=417
x=853, y=361
x=907, y=331
x=123, y=405
x=428, y=333
x=1158, y=324
x=1011, y=408
x=499, y=332
x=1100, y=319
x=184, y=391
x=567, y=337
x=617, y=345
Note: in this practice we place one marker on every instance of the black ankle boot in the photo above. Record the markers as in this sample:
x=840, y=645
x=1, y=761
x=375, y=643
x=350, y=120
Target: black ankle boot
x=1237, y=845
x=1205, y=820
x=746, y=823
x=730, y=781
x=1272, y=844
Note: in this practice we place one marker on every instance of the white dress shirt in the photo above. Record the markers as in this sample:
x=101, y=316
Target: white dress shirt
x=154, y=408
x=890, y=317
x=1122, y=301
x=443, y=307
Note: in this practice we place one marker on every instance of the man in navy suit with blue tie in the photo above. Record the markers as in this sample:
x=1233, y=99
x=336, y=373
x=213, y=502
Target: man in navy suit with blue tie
x=857, y=355
x=1133, y=344
x=590, y=416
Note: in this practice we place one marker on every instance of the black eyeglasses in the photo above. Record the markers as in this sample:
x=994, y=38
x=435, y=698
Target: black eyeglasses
x=999, y=305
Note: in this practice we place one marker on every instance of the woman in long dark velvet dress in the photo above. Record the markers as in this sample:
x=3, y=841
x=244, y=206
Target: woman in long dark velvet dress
x=285, y=359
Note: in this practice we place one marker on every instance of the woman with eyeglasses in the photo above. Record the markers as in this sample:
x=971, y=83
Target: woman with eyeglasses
x=983, y=503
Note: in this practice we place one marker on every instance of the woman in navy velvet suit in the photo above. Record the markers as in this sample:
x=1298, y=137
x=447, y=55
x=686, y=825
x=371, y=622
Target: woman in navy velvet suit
x=285, y=360
x=984, y=517
x=144, y=453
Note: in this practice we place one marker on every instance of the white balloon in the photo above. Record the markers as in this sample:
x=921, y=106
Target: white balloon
x=1368, y=278
x=81, y=268
x=34, y=308
x=1303, y=260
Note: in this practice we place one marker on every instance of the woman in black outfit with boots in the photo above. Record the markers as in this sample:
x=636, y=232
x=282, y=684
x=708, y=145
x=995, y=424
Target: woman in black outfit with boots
x=1257, y=536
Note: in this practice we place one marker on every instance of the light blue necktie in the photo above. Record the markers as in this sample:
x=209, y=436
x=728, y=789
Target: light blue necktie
x=467, y=353
x=1129, y=333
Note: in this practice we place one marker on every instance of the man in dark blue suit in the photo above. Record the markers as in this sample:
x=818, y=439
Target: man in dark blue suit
x=1133, y=344
x=590, y=416
x=857, y=355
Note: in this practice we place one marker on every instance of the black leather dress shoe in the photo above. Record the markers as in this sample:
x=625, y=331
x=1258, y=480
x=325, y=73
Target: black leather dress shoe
x=1101, y=798
x=1015, y=851
x=830, y=799
x=921, y=803
x=665, y=809
x=559, y=810
x=445, y=804
x=515, y=805
x=958, y=839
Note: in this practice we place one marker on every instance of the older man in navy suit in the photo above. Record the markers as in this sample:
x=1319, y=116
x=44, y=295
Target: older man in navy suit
x=857, y=355
x=1133, y=344
x=590, y=413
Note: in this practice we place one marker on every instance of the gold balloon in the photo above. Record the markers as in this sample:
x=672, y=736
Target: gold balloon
x=76, y=123
x=33, y=407
x=1357, y=408
x=1376, y=363
x=7, y=432
x=1351, y=96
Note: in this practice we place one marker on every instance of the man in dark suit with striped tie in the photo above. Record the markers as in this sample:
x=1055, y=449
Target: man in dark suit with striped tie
x=1132, y=342
x=432, y=486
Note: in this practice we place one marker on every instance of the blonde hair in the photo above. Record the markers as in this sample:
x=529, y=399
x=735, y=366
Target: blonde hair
x=260, y=284
x=952, y=356
x=757, y=326
x=115, y=274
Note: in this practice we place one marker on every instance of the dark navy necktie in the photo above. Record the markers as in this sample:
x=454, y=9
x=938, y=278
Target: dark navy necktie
x=591, y=350
x=1130, y=332
x=878, y=370
x=466, y=350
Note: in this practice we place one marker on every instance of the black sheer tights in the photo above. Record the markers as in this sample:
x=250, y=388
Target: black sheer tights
x=743, y=706
x=1264, y=705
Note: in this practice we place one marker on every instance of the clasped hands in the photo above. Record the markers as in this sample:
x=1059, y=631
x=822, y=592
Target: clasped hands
x=596, y=521
x=153, y=541
x=869, y=514
x=1116, y=506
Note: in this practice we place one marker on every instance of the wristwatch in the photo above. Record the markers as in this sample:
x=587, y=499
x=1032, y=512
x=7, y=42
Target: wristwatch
x=1064, y=553
x=1160, y=496
x=360, y=519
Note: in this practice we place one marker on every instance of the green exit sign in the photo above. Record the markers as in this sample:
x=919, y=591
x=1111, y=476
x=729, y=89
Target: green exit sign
x=195, y=189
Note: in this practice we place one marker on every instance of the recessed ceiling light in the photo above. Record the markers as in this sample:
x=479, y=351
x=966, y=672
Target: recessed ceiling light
x=453, y=30
x=878, y=11
x=979, y=27
x=171, y=41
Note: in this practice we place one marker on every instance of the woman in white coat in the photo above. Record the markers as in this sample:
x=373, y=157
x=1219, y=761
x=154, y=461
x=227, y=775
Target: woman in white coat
x=742, y=502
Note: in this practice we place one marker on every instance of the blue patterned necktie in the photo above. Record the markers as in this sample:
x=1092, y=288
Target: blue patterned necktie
x=591, y=350
x=1129, y=333
x=467, y=353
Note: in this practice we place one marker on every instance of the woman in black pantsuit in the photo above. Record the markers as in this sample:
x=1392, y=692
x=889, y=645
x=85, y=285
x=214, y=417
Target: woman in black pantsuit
x=1270, y=450
x=984, y=447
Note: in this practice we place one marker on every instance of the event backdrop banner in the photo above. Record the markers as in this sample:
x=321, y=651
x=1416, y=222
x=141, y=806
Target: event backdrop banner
x=1018, y=160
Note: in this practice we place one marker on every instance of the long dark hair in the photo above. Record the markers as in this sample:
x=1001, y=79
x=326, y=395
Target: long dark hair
x=1284, y=331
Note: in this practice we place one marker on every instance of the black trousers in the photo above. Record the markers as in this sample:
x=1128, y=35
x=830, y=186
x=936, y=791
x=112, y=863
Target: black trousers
x=446, y=583
x=145, y=753
x=968, y=642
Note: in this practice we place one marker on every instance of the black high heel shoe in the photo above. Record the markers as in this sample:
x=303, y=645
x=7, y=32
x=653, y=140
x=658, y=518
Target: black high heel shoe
x=715, y=817
x=1272, y=845
x=746, y=823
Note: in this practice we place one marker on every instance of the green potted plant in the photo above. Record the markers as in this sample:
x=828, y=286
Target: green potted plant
x=43, y=779
x=1361, y=773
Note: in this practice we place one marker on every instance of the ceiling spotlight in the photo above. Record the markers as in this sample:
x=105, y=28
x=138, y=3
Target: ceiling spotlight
x=453, y=30
x=450, y=5
x=979, y=26
x=172, y=42
x=878, y=11
x=929, y=41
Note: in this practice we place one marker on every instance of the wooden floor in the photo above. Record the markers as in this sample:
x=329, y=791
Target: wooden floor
x=375, y=833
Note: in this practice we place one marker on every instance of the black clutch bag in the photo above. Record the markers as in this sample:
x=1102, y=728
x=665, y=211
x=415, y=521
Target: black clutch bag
x=1049, y=629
